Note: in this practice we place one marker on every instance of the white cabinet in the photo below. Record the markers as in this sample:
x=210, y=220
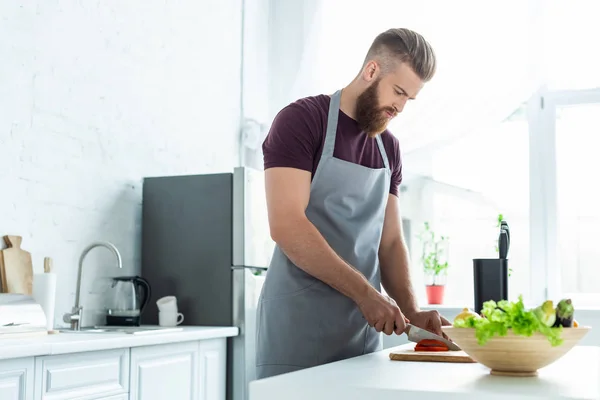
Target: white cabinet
x=168, y=371
x=16, y=379
x=192, y=370
x=183, y=371
x=94, y=374
x=213, y=369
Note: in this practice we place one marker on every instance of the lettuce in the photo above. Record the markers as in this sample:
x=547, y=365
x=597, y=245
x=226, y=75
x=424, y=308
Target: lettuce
x=499, y=317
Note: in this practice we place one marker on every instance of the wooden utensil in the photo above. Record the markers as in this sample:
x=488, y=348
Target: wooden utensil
x=16, y=267
x=3, y=285
x=47, y=265
x=451, y=356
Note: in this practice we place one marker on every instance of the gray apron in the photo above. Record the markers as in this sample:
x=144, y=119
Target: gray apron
x=301, y=321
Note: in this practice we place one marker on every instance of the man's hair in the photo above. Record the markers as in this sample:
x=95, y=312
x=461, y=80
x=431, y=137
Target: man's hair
x=403, y=45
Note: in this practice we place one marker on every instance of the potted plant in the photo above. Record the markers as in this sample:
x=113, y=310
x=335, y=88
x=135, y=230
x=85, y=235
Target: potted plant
x=434, y=257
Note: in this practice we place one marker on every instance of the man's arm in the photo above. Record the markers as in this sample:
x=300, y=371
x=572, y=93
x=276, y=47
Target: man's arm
x=394, y=260
x=288, y=191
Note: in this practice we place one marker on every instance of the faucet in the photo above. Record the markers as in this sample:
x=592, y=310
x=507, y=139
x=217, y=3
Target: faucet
x=76, y=315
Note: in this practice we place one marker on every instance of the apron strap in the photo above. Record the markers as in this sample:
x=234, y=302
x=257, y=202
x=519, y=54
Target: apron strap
x=332, y=122
x=382, y=151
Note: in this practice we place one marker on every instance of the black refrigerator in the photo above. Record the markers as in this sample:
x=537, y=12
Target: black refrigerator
x=205, y=240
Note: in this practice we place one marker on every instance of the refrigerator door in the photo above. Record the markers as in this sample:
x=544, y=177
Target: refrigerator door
x=252, y=253
x=246, y=290
x=252, y=243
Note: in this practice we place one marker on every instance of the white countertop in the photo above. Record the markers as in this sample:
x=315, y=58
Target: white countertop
x=65, y=342
x=575, y=376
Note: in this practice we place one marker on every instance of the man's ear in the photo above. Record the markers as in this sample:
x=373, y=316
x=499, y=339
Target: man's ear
x=370, y=71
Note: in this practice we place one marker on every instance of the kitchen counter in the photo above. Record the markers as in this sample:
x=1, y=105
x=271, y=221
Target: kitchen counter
x=575, y=376
x=66, y=342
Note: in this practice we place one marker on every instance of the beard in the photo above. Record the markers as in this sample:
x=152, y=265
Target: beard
x=371, y=118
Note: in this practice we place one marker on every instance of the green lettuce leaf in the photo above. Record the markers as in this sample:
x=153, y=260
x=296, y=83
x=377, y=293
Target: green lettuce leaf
x=499, y=318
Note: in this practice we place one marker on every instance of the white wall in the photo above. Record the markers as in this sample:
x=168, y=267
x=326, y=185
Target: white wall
x=96, y=95
x=257, y=76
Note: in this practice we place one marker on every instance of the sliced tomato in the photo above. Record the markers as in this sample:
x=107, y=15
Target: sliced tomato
x=430, y=348
x=431, y=345
x=432, y=342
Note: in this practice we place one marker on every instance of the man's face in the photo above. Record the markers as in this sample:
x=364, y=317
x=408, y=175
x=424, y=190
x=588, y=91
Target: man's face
x=385, y=98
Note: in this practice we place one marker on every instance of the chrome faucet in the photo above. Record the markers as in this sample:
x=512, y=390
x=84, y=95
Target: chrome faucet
x=76, y=315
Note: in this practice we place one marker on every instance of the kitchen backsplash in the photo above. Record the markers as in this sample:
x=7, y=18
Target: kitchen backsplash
x=95, y=98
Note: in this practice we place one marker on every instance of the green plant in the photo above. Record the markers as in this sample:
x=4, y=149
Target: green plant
x=500, y=317
x=433, y=252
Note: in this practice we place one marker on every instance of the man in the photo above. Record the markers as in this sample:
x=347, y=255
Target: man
x=332, y=172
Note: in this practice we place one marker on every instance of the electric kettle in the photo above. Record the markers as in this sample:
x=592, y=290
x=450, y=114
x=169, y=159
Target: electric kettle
x=127, y=301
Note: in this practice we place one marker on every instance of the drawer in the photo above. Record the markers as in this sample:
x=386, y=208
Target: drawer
x=81, y=376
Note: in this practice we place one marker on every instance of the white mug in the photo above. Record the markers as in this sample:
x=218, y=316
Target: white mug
x=169, y=318
x=167, y=304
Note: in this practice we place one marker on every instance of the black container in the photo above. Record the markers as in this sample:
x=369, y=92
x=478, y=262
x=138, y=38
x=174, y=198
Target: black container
x=490, y=280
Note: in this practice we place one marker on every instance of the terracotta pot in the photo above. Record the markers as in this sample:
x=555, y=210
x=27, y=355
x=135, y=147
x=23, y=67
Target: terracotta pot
x=435, y=294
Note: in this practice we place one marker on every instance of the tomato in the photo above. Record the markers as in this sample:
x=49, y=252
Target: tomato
x=431, y=345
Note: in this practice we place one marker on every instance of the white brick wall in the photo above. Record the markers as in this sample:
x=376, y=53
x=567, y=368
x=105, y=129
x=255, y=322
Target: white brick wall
x=94, y=96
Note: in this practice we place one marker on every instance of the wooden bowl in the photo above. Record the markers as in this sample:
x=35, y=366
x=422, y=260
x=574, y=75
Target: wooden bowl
x=515, y=355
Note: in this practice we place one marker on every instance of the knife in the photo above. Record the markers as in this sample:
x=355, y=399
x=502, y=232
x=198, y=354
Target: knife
x=504, y=225
x=504, y=240
x=416, y=334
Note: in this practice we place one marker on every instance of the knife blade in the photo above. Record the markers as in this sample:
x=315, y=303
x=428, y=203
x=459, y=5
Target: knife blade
x=416, y=334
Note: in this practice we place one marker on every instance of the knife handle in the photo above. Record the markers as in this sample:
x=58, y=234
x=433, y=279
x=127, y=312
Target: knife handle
x=503, y=245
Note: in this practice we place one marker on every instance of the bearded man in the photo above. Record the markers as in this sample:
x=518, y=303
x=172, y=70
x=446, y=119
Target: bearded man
x=332, y=173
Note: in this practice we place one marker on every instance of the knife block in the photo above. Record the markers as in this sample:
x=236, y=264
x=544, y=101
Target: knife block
x=490, y=281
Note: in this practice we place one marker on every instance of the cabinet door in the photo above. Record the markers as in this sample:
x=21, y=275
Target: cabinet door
x=166, y=371
x=16, y=379
x=213, y=364
x=87, y=375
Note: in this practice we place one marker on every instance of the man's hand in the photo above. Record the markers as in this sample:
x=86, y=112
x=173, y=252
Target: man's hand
x=382, y=313
x=430, y=320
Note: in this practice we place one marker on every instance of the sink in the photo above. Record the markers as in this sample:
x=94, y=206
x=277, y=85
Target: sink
x=132, y=330
x=88, y=330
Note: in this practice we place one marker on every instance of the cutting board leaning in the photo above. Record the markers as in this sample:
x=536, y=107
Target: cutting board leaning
x=16, y=268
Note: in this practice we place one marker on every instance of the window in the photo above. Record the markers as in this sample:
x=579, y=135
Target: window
x=573, y=119
x=570, y=30
x=471, y=182
x=578, y=165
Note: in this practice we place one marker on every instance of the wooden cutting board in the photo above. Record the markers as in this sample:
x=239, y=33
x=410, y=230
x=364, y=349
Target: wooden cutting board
x=16, y=267
x=451, y=356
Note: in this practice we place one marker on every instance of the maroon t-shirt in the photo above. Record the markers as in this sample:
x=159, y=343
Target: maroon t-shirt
x=297, y=136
